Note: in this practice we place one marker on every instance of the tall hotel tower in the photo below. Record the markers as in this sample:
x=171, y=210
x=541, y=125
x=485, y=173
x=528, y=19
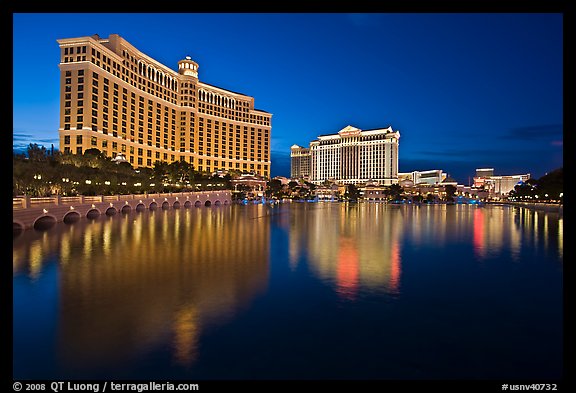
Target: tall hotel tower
x=351, y=156
x=118, y=100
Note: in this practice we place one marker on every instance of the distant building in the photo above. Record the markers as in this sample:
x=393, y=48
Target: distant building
x=327, y=193
x=497, y=185
x=352, y=156
x=299, y=162
x=485, y=172
x=373, y=192
x=253, y=185
x=282, y=179
x=433, y=176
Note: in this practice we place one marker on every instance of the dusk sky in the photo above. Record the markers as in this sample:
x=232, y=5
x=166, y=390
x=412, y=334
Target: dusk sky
x=466, y=91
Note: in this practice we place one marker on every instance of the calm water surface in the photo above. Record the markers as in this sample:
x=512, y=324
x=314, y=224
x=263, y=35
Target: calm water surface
x=292, y=291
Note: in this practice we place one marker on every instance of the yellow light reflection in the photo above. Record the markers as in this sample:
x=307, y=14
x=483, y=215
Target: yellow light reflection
x=186, y=332
x=128, y=293
x=36, y=259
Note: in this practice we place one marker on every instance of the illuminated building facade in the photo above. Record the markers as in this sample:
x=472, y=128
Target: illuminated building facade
x=433, y=176
x=354, y=156
x=299, y=162
x=497, y=185
x=120, y=101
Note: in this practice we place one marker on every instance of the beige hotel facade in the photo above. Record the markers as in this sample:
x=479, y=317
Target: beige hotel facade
x=351, y=156
x=120, y=101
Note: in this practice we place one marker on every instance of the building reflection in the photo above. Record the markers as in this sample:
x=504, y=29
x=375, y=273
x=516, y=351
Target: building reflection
x=130, y=282
x=505, y=229
x=359, y=247
x=347, y=268
x=354, y=247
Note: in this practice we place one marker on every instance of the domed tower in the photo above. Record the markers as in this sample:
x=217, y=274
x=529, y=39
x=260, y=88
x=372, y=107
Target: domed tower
x=188, y=67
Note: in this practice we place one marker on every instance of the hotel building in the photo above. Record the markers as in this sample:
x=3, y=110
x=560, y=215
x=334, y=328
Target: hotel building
x=299, y=162
x=119, y=100
x=353, y=156
x=433, y=176
x=497, y=185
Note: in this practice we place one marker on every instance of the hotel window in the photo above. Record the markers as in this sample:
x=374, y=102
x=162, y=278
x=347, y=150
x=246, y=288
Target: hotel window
x=78, y=139
x=66, y=139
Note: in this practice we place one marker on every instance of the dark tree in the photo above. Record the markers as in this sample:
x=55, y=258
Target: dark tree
x=352, y=193
x=450, y=191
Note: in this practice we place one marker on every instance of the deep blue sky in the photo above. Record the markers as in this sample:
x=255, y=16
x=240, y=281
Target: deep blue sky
x=465, y=90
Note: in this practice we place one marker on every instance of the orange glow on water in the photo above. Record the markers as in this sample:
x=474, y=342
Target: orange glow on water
x=478, y=236
x=395, y=268
x=347, y=271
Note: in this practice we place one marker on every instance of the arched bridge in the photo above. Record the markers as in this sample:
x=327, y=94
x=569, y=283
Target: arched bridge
x=42, y=213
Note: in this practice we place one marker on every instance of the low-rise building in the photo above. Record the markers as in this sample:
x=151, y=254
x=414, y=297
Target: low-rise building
x=433, y=176
x=253, y=185
x=497, y=186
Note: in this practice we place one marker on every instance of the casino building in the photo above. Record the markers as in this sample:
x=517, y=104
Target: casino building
x=299, y=162
x=120, y=101
x=351, y=156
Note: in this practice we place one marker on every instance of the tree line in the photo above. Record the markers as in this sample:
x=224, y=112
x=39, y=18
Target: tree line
x=41, y=172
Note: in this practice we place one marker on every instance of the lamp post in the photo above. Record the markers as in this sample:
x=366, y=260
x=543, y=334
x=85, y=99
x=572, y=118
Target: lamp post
x=65, y=184
x=36, y=184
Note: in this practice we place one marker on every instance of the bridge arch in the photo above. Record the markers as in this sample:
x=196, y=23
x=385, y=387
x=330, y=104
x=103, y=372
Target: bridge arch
x=140, y=207
x=187, y=204
x=217, y=203
x=165, y=205
x=70, y=217
x=126, y=209
x=44, y=222
x=93, y=213
x=197, y=204
x=153, y=206
x=208, y=203
x=111, y=211
x=176, y=205
x=17, y=228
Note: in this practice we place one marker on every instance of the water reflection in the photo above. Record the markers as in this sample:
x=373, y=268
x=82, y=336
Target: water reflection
x=467, y=291
x=130, y=281
x=354, y=247
x=503, y=228
x=360, y=246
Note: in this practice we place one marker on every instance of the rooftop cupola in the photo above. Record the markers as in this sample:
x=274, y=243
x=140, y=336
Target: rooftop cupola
x=188, y=67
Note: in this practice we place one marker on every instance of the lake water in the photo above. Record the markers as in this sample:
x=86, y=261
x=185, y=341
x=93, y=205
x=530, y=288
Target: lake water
x=293, y=291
